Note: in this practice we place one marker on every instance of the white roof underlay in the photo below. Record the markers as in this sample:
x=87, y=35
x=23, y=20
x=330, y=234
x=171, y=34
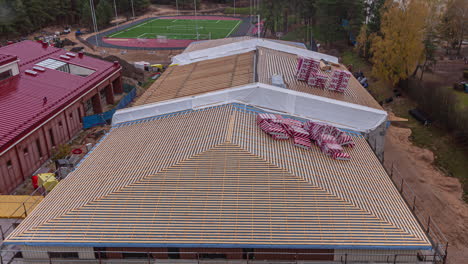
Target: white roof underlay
x=270, y=98
x=243, y=47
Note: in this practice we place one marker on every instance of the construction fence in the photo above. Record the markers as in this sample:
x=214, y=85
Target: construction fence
x=101, y=119
x=219, y=257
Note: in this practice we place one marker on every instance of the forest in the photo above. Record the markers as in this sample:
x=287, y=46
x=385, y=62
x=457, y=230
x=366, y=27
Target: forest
x=19, y=17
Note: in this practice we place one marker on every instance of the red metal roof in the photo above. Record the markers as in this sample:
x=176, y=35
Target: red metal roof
x=21, y=97
x=6, y=58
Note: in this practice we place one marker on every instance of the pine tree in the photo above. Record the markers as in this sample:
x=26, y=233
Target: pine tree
x=328, y=20
x=374, y=16
x=103, y=13
x=21, y=20
x=37, y=12
x=86, y=18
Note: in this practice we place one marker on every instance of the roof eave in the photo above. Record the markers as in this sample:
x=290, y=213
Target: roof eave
x=223, y=245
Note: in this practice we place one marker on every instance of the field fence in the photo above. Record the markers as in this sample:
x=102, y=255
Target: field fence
x=23, y=209
x=437, y=237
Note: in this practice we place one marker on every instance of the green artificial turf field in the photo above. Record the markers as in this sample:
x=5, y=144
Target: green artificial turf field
x=180, y=29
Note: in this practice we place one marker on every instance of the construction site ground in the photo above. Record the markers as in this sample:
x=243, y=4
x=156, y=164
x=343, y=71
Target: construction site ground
x=438, y=194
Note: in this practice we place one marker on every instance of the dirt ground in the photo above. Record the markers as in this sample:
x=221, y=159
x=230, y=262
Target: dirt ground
x=439, y=195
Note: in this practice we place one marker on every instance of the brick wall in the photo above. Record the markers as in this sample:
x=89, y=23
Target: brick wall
x=293, y=254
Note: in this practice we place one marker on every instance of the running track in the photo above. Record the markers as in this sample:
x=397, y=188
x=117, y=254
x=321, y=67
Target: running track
x=131, y=43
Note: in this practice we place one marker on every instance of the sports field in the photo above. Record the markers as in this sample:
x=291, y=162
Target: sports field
x=180, y=29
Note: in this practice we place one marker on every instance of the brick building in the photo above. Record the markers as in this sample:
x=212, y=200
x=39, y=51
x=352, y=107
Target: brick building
x=44, y=93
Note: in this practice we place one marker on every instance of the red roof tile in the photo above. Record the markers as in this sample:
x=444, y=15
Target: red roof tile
x=21, y=97
x=5, y=58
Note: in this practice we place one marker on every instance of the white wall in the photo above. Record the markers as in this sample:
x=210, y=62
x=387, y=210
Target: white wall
x=13, y=66
x=81, y=71
x=31, y=252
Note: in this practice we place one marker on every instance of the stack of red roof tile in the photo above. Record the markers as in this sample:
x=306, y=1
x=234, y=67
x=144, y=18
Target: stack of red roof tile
x=305, y=67
x=318, y=80
x=328, y=138
x=274, y=129
x=339, y=81
x=341, y=156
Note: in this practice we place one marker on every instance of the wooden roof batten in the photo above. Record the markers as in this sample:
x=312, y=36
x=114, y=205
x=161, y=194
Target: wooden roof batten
x=217, y=179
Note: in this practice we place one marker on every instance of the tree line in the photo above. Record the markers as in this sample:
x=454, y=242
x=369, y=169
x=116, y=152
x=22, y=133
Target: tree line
x=330, y=20
x=19, y=17
x=401, y=41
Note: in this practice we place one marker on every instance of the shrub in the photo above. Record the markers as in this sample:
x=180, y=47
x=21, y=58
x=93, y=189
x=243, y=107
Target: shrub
x=61, y=152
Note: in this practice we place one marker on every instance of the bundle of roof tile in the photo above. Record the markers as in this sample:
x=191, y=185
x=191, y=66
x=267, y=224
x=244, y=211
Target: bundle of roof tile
x=270, y=125
x=328, y=138
x=339, y=81
x=284, y=128
x=306, y=67
x=309, y=70
x=317, y=129
x=318, y=80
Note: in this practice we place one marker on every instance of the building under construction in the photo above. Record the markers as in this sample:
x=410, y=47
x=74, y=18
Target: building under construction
x=187, y=174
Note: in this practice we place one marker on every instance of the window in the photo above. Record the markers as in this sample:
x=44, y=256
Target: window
x=71, y=115
x=60, y=124
x=26, y=151
x=100, y=252
x=88, y=107
x=51, y=135
x=80, y=115
x=65, y=67
x=64, y=255
x=247, y=253
x=5, y=75
x=212, y=256
x=9, y=164
x=173, y=253
x=134, y=255
x=39, y=149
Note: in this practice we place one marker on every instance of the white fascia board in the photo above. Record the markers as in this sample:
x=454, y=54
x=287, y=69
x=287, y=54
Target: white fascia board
x=275, y=99
x=244, y=47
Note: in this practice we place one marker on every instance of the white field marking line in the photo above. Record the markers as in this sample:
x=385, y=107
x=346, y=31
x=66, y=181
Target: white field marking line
x=233, y=29
x=143, y=34
x=175, y=20
x=142, y=24
x=217, y=21
x=117, y=33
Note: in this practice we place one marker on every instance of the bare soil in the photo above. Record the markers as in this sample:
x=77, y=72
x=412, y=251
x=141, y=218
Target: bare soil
x=439, y=195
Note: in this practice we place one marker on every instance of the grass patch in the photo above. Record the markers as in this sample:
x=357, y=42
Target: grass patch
x=350, y=57
x=180, y=29
x=378, y=88
x=449, y=158
x=296, y=35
